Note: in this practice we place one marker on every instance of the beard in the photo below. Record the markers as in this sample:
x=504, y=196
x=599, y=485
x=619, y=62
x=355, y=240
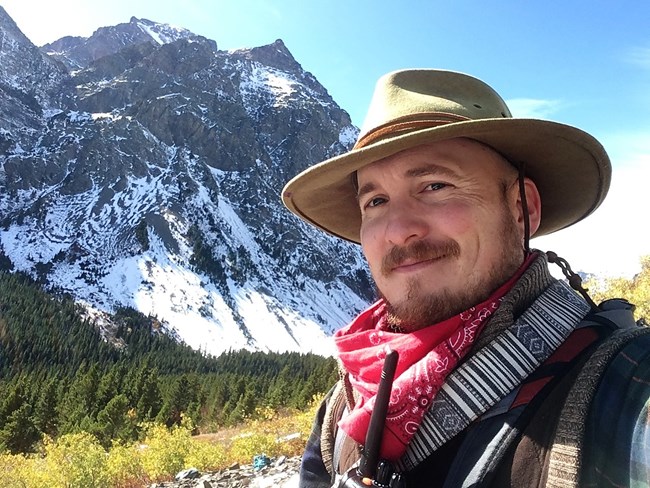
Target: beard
x=421, y=308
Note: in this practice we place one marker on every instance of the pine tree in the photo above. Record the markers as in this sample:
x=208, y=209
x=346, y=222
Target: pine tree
x=116, y=421
x=147, y=393
x=78, y=407
x=45, y=410
x=19, y=433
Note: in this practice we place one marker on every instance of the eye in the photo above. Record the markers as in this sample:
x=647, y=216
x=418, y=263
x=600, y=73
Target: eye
x=375, y=202
x=435, y=186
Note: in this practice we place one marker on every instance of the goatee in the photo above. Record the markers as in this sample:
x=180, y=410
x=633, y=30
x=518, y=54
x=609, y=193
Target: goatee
x=421, y=308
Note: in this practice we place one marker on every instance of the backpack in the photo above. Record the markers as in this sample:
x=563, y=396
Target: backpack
x=567, y=457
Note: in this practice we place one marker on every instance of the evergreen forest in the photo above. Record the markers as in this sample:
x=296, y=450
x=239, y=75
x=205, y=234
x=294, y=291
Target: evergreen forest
x=58, y=375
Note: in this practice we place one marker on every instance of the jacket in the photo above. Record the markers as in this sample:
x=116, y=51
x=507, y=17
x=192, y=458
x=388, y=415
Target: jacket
x=552, y=428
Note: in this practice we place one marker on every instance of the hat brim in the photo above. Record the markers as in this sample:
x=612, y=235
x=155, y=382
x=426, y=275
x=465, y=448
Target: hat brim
x=570, y=168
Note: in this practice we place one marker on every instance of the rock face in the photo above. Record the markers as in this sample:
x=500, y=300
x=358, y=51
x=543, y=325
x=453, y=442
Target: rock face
x=31, y=84
x=281, y=473
x=79, y=52
x=143, y=167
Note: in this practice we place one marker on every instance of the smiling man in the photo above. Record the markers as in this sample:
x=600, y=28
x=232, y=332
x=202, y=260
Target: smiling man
x=506, y=376
x=419, y=213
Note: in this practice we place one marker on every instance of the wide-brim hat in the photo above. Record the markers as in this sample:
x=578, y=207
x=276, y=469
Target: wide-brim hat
x=413, y=107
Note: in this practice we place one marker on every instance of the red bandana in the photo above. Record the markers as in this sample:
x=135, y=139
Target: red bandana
x=426, y=357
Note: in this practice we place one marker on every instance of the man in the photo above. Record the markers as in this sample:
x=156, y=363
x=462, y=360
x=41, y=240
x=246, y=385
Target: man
x=506, y=376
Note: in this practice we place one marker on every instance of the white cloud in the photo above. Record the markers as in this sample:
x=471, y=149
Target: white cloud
x=629, y=148
x=639, y=56
x=532, y=108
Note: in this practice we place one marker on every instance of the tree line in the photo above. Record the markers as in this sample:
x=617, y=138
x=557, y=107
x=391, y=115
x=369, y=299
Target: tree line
x=58, y=375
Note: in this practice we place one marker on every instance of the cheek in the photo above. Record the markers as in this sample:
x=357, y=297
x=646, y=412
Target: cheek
x=373, y=247
x=370, y=246
x=474, y=229
x=457, y=219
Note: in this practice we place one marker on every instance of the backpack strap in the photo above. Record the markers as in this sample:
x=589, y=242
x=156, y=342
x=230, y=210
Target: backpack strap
x=566, y=453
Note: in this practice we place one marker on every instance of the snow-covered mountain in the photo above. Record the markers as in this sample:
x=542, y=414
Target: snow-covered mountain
x=142, y=167
x=79, y=52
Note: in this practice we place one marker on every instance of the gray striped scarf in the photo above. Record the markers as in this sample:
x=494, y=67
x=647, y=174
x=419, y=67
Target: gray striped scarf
x=497, y=369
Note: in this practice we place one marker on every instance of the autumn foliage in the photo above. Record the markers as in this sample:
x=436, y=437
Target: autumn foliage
x=636, y=290
x=79, y=460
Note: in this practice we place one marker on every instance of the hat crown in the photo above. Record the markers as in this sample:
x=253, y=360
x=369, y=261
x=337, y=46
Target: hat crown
x=417, y=94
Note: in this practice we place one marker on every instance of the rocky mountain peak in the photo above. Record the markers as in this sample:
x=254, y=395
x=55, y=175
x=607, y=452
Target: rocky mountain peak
x=276, y=55
x=31, y=84
x=157, y=186
x=9, y=28
x=80, y=52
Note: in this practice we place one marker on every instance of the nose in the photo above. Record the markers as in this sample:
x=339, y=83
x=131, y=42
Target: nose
x=405, y=223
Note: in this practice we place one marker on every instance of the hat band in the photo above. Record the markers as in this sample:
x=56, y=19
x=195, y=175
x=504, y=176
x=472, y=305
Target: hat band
x=408, y=123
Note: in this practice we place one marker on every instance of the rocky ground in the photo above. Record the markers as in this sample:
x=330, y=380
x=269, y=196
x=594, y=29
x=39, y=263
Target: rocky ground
x=281, y=472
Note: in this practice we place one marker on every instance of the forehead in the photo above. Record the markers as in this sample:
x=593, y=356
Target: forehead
x=459, y=158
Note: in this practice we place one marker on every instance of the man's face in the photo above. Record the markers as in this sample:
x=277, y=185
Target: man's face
x=440, y=227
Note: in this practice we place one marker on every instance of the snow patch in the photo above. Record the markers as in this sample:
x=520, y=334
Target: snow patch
x=348, y=136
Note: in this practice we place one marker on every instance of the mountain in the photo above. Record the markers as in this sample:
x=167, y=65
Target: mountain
x=142, y=167
x=79, y=52
x=30, y=84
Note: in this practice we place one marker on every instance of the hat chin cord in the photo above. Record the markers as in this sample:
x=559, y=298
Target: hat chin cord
x=575, y=281
x=524, y=208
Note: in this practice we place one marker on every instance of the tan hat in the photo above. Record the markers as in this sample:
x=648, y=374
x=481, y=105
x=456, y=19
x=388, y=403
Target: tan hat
x=413, y=107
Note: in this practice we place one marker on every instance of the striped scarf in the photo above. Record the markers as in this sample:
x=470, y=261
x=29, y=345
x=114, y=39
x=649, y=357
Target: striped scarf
x=427, y=357
x=497, y=369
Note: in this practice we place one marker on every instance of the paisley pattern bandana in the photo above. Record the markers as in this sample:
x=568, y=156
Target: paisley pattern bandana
x=426, y=357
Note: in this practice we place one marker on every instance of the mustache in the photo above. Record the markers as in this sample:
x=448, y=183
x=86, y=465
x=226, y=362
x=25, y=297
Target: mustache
x=418, y=251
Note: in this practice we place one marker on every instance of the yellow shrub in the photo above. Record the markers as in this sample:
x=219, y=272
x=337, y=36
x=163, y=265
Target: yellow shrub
x=18, y=471
x=273, y=434
x=636, y=290
x=75, y=460
x=266, y=413
x=249, y=444
x=206, y=456
x=165, y=450
x=78, y=460
x=305, y=419
x=124, y=465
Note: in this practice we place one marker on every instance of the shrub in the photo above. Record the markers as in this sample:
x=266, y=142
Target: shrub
x=79, y=460
x=165, y=449
x=17, y=471
x=249, y=444
x=206, y=456
x=124, y=465
x=75, y=460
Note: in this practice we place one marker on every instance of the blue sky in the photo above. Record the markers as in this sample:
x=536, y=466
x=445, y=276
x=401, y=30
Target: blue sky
x=584, y=63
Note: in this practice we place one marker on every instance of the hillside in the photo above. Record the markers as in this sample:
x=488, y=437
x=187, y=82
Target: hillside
x=58, y=376
x=141, y=168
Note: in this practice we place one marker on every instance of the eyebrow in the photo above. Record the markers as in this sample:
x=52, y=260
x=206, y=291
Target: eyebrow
x=419, y=171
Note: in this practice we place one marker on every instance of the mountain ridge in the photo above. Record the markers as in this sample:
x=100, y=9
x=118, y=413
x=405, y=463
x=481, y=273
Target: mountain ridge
x=77, y=52
x=155, y=183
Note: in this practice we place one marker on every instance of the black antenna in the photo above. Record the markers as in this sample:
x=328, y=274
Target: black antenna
x=370, y=455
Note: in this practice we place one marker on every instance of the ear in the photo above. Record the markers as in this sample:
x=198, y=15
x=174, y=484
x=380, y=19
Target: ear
x=534, y=204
